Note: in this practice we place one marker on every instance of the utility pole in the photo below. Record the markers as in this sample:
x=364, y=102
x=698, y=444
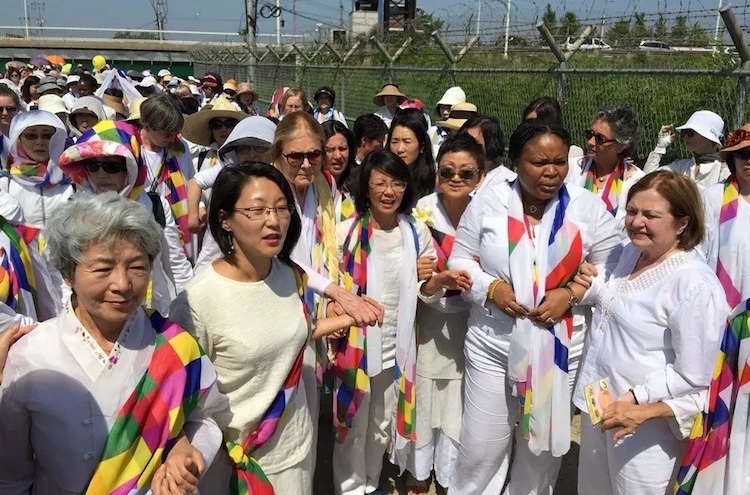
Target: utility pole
x=294, y=17
x=718, y=21
x=507, y=29
x=26, y=17
x=278, y=22
x=341, y=14
x=479, y=14
x=160, y=10
x=251, y=34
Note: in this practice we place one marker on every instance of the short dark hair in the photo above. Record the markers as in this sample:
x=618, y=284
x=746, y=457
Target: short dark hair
x=369, y=127
x=226, y=192
x=547, y=109
x=527, y=131
x=494, y=140
x=389, y=163
x=161, y=112
x=684, y=201
x=462, y=142
x=88, y=80
x=423, y=170
x=333, y=127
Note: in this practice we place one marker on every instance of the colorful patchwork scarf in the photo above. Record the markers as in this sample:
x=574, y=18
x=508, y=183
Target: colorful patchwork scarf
x=359, y=356
x=728, y=267
x=17, y=281
x=715, y=461
x=177, y=378
x=344, y=206
x=612, y=188
x=538, y=356
x=248, y=477
x=170, y=174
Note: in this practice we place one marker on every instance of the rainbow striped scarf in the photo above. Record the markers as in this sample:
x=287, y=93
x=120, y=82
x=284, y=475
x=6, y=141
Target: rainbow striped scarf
x=344, y=205
x=150, y=421
x=171, y=175
x=17, y=281
x=612, y=188
x=727, y=266
x=538, y=357
x=713, y=460
x=248, y=477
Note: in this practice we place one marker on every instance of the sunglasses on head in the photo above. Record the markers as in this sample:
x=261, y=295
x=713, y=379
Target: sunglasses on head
x=598, y=138
x=217, y=124
x=743, y=154
x=108, y=167
x=465, y=174
x=297, y=158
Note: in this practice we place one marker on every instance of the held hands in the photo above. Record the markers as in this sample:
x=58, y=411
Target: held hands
x=553, y=307
x=181, y=472
x=585, y=275
x=7, y=339
x=449, y=279
x=623, y=414
x=505, y=298
x=425, y=267
x=196, y=223
x=364, y=310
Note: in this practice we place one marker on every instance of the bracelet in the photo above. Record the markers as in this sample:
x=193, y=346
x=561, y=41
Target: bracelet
x=491, y=290
x=632, y=392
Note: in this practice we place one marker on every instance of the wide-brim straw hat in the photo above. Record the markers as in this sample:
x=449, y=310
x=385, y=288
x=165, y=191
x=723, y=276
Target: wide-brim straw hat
x=115, y=104
x=246, y=87
x=196, y=128
x=460, y=113
x=736, y=140
x=135, y=110
x=388, y=90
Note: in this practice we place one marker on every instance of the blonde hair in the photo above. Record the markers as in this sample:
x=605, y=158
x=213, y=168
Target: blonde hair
x=183, y=91
x=298, y=92
x=292, y=126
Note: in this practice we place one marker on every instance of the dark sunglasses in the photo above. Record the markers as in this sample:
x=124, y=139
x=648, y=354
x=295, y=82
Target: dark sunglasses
x=465, y=174
x=108, y=167
x=297, y=158
x=217, y=124
x=743, y=154
x=688, y=133
x=10, y=109
x=600, y=140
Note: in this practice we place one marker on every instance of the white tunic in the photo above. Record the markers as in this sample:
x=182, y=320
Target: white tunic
x=252, y=332
x=704, y=175
x=60, y=396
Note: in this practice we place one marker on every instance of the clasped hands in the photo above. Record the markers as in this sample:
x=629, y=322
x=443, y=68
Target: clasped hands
x=181, y=472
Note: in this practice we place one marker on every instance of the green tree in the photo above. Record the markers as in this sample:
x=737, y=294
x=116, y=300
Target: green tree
x=698, y=36
x=679, y=31
x=128, y=35
x=640, y=30
x=619, y=33
x=660, y=28
x=550, y=18
x=569, y=25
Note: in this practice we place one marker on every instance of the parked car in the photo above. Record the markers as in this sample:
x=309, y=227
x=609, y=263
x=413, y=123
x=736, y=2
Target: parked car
x=654, y=46
x=588, y=44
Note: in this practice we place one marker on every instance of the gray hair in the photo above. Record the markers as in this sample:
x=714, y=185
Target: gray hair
x=88, y=220
x=624, y=124
x=161, y=113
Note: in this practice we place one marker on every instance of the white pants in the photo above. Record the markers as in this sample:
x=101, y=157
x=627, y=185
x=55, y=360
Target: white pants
x=645, y=463
x=312, y=392
x=439, y=455
x=490, y=418
x=358, y=461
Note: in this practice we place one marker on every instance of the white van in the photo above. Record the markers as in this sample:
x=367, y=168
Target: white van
x=654, y=46
x=588, y=44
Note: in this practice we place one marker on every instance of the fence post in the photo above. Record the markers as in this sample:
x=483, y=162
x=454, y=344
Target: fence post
x=547, y=36
x=453, y=59
x=738, y=38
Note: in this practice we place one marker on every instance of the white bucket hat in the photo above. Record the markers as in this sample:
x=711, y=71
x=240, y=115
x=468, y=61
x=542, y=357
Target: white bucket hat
x=453, y=96
x=707, y=124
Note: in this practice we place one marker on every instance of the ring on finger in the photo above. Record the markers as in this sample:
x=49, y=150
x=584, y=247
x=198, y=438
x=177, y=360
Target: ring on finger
x=508, y=309
x=550, y=321
x=168, y=473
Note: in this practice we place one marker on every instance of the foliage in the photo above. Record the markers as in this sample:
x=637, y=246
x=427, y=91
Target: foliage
x=660, y=28
x=569, y=25
x=619, y=33
x=129, y=35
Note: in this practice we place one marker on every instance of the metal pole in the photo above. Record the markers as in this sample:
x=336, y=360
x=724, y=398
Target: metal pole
x=718, y=21
x=278, y=22
x=507, y=29
x=294, y=16
x=479, y=14
x=738, y=38
x=26, y=17
x=251, y=17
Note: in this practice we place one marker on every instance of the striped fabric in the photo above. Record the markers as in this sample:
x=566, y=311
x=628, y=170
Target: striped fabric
x=612, y=188
x=150, y=421
x=171, y=175
x=727, y=265
x=541, y=371
x=713, y=461
x=17, y=281
x=248, y=477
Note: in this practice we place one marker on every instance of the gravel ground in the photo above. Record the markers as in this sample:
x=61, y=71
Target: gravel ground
x=323, y=482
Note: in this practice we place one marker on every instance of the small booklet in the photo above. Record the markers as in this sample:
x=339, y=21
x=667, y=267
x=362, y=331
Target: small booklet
x=598, y=398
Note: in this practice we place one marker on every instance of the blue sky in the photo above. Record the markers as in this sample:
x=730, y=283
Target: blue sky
x=227, y=15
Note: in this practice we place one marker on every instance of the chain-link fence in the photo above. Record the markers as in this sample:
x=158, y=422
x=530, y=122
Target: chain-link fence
x=658, y=96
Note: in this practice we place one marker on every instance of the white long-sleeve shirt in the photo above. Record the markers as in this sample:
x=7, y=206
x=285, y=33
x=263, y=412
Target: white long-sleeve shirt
x=704, y=174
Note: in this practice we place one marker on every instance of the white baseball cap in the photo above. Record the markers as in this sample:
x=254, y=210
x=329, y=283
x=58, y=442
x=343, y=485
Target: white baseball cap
x=164, y=72
x=148, y=82
x=707, y=124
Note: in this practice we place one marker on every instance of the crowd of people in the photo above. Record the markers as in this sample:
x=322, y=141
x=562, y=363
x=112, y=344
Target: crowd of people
x=183, y=278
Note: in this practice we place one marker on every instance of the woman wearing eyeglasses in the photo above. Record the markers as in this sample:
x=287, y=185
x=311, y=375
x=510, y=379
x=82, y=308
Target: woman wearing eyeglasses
x=443, y=323
x=247, y=310
x=702, y=136
x=107, y=158
x=607, y=171
x=375, y=367
x=522, y=242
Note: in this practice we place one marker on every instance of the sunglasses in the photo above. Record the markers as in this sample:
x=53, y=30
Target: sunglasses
x=297, y=158
x=465, y=174
x=108, y=167
x=688, y=133
x=598, y=138
x=10, y=109
x=743, y=154
x=217, y=124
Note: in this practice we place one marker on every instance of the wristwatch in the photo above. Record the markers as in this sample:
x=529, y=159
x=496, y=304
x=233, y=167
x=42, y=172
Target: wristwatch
x=573, y=300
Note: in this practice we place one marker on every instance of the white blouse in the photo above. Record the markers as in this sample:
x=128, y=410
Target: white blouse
x=658, y=333
x=61, y=395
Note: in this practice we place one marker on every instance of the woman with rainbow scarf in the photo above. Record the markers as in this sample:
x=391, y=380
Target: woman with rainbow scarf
x=37, y=139
x=611, y=140
x=249, y=312
x=652, y=346
x=375, y=366
x=106, y=397
x=108, y=158
x=522, y=242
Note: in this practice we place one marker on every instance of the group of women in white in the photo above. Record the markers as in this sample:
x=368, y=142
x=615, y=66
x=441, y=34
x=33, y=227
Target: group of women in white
x=192, y=312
